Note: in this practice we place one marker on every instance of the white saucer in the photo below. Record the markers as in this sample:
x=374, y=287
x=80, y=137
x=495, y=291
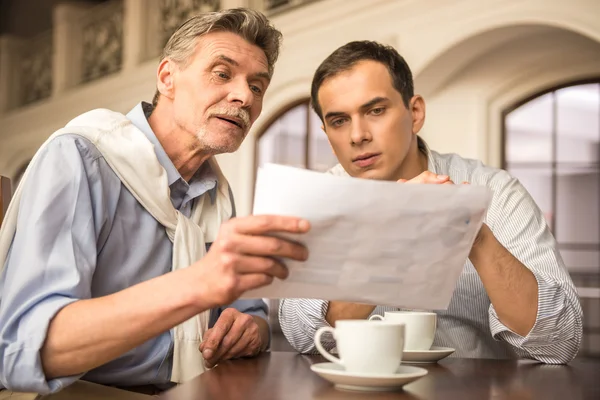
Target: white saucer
x=432, y=355
x=336, y=374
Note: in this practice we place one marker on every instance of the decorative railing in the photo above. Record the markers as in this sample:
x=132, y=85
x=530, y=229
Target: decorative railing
x=276, y=6
x=102, y=34
x=273, y=4
x=175, y=12
x=35, y=68
x=89, y=43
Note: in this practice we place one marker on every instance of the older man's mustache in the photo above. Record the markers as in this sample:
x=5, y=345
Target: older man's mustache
x=238, y=116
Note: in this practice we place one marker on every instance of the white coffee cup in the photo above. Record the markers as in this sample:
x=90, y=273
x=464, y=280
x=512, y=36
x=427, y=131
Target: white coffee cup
x=420, y=327
x=365, y=347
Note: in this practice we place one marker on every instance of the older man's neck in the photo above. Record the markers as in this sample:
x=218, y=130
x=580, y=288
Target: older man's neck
x=187, y=158
x=183, y=150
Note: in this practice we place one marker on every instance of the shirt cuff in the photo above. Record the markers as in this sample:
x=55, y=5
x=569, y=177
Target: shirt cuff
x=317, y=322
x=300, y=319
x=327, y=339
x=22, y=360
x=547, y=329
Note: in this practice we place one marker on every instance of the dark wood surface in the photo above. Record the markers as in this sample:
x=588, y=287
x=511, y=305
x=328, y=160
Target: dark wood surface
x=282, y=375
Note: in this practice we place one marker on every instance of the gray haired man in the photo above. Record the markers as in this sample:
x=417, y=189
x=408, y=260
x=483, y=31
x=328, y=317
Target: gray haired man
x=123, y=267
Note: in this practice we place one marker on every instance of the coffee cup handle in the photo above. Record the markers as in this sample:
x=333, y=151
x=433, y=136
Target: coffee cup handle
x=376, y=317
x=320, y=347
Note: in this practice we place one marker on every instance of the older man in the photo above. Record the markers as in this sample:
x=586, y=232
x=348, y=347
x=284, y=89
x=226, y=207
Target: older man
x=112, y=210
x=514, y=297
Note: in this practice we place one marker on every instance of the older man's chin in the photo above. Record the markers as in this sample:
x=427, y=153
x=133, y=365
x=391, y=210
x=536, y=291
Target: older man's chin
x=221, y=145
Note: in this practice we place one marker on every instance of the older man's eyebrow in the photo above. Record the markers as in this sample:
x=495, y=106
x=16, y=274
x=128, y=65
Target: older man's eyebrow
x=228, y=60
x=259, y=75
x=263, y=75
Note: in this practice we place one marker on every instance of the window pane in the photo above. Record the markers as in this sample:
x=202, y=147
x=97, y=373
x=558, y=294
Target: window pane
x=284, y=142
x=538, y=182
x=577, y=204
x=321, y=157
x=581, y=261
x=578, y=123
x=529, y=131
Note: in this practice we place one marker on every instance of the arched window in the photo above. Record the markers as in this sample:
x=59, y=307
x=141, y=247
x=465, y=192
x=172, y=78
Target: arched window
x=552, y=145
x=295, y=138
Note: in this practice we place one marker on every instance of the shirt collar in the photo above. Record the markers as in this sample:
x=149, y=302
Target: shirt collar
x=204, y=180
x=139, y=117
x=430, y=157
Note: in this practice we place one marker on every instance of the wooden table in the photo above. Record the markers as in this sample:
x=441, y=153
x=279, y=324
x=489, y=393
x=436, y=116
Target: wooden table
x=288, y=376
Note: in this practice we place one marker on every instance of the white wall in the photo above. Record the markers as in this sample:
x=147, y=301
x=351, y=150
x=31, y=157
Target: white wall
x=470, y=58
x=471, y=88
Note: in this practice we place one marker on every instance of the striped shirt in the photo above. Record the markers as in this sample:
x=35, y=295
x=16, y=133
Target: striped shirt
x=470, y=324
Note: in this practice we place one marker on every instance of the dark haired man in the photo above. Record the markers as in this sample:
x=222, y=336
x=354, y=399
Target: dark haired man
x=514, y=297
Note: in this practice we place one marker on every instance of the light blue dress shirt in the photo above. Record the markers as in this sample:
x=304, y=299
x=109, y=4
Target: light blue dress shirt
x=81, y=234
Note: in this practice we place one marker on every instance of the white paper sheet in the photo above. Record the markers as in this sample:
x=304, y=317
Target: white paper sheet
x=372, y=241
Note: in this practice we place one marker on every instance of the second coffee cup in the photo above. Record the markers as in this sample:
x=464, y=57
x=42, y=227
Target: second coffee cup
x=419, y=330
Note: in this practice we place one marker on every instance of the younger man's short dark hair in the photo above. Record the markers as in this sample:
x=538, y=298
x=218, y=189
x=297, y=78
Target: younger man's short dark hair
x=350, y=54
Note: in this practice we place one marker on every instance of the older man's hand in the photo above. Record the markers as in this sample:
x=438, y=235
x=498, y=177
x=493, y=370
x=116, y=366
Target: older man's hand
x=234, y=335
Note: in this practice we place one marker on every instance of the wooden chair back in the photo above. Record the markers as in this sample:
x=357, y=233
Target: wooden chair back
x=5, y=194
